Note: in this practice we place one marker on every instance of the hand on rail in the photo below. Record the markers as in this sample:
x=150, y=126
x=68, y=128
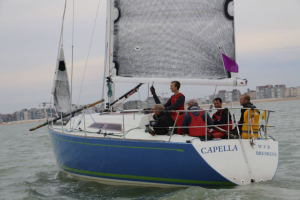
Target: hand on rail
x=220, y=130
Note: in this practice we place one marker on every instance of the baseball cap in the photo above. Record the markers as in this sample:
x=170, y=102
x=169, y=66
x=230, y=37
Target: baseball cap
x=192, y=101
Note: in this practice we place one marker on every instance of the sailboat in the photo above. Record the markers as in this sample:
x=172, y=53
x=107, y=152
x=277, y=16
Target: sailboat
x=160, y=41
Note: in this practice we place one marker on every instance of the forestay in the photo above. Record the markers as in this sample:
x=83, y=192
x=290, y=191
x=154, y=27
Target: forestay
x=171, y=38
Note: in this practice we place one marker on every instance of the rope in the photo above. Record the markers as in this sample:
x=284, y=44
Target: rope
x=131, y=130
x=79, y=122
x=120, y=103
x=88, y=52
x=110, y=93
x=93, y=118
x=74, y=117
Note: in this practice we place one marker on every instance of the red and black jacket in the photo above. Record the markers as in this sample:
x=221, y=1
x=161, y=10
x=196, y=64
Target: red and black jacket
x=221, y=117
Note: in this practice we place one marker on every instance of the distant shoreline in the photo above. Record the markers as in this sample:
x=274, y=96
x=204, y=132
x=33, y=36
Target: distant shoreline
x=202, y=106
x=23, y=122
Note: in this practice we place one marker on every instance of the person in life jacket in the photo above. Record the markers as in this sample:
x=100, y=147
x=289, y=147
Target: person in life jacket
x=176, y=102
x=249, y=121
x=221, y=117
x=197, y=118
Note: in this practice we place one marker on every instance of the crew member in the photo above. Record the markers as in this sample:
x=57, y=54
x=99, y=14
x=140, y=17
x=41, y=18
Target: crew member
x=164, y=120
x=198, y=119
x=221, y=117
x=176, y=102
x=249, y=121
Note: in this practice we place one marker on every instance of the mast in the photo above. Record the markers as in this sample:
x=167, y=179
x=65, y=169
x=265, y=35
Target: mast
x=109, y=65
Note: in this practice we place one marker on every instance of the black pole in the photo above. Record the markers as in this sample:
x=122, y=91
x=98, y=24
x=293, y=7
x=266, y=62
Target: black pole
x=68, y=114
x=128, y=94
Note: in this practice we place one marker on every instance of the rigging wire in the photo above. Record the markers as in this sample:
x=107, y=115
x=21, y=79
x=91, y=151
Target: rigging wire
x=88, y=52
x=139, y=95
x=72, y=66
x=211, y=105
x=87, y=57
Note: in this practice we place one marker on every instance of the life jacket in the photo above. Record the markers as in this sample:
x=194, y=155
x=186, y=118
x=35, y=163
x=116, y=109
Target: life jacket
x=174, y=99
x=197, y=121
x=218, y=116
x=249, y=119
x=174, y=114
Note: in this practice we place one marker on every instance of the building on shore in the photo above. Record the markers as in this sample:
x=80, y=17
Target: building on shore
x=16, y=116
x=236, y=95
x=226, y=96
x=265, y=92
x=298, y=91
x=291, y=92
x=151, y=103
x=252, y=94
x=222, y=94
x=134, y=104
x=203, y=100
x=164, y=100
x=7, y=118
x=32, y=113
x=279, y=91
x=1, y=118
x=24, y=114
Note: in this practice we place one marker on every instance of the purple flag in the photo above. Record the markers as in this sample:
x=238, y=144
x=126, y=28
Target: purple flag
x=229, y=64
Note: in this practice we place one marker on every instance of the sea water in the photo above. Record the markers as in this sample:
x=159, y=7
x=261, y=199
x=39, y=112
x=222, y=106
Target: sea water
x=28, y=169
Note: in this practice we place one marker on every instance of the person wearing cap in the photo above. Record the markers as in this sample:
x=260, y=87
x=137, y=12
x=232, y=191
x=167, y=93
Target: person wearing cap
x=164, y=120
x=176, y=102
x=197, y=118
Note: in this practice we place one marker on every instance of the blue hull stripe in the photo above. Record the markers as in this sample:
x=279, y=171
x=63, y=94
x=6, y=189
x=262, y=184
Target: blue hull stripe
x=155, y=162
x=180, y=150
x=143, y=178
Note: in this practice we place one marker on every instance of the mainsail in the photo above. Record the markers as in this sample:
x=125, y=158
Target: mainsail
x=172, y=38
x=61, y=88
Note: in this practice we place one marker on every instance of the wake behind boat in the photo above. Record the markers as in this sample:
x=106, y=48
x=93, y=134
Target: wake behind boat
x=158, y=41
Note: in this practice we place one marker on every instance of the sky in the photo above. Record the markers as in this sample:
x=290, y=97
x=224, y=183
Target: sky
x=267, y=49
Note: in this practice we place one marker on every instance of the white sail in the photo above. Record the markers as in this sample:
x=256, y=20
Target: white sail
x=61, y=88
x=171, y=38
